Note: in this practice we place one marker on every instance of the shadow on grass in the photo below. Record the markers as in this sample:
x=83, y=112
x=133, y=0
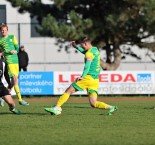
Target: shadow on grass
x=25, y=113
x=153, y=107
x=28, y=113
x=5, y=113
x=76, y=107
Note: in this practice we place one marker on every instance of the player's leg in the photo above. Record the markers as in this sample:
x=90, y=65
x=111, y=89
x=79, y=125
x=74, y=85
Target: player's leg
x=74, y=87
x=64, y=97
x=101, y=105
x=8, y=99
x=93, y=93
x=1, y=92
x=56, y=110
x=13, y=72
x=97, y=104
x=1, y=102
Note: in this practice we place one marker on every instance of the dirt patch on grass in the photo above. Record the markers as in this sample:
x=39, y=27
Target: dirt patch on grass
x=85, y=99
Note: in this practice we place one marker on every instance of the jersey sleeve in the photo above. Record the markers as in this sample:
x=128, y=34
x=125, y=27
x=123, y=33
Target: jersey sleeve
x=86, y=68
x=16, y=44
x=81, y=49
x=89, y=55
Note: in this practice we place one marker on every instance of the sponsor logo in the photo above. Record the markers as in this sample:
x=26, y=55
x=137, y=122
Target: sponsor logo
x=143, y=78
x=117, y=78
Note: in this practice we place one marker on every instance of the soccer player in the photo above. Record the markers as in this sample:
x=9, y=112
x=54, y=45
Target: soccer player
x=4, y=92
x=89, y=79
x=10, y=48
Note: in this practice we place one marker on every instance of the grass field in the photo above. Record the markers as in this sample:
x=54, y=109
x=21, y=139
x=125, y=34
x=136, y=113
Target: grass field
x=79, y=124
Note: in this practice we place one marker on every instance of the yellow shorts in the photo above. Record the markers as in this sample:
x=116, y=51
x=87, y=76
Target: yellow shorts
x=13, y=70
x=88, y=83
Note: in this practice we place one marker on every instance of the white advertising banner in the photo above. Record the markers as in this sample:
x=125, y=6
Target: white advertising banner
x=111, y=82
x=127, y=82
x=62, y=80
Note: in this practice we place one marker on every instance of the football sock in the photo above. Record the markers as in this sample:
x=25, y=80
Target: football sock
x=16, y=87
x=101, y=105
x=62, y=99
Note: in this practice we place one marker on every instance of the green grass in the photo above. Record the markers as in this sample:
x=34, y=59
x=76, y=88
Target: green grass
x=79, y=124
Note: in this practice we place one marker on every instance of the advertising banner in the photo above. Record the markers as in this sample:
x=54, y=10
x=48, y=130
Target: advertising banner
x=127, y=82
x=111, y=82
x=36, y=83
x=62, y=80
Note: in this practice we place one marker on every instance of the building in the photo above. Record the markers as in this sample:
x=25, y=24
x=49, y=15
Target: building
x=43, y=52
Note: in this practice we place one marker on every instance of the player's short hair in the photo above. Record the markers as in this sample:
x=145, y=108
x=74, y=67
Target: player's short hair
x=1, y=50
x=85, y=39
x=3, y=25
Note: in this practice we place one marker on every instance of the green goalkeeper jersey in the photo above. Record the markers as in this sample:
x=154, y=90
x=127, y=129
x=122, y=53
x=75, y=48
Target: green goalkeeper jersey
x=7, y=44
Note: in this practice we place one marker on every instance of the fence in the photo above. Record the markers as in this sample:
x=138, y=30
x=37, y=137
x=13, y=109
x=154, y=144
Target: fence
x=44, y=55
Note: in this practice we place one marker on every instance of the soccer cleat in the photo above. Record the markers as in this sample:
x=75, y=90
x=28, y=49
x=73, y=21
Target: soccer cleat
x=1, y=102
x=23, y=103
x=53, y=110
x=112, y=109
x=15, y=111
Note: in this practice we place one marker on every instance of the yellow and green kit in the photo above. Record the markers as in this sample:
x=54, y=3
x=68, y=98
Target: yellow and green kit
x=90, y=75
x=7, y=44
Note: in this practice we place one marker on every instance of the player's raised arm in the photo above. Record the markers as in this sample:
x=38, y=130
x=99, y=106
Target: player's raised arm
x=73, y=43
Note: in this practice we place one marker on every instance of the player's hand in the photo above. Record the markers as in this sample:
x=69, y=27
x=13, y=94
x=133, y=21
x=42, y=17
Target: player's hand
x=9, y=90
x=10, y=87
x=13, y=51
x=78, y=79
x=73, y=43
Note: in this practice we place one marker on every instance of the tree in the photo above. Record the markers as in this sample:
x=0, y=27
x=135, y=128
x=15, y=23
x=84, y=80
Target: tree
x=109, y=23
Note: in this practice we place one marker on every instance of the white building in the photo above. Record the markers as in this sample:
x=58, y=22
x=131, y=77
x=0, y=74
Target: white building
x=43, y=53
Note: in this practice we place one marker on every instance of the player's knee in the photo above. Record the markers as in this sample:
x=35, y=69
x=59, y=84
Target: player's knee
x=15, y=79
x=92, y=99
x=70, y=90
x=92, y=105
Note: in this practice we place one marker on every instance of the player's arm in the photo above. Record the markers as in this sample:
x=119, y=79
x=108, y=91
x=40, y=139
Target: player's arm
x=16, y=44
x=7, y=78
x=86, y=67
x=89, y=57
x=77, y=47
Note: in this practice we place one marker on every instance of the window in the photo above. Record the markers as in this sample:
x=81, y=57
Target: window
x=34, y=24
x=2, y=14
